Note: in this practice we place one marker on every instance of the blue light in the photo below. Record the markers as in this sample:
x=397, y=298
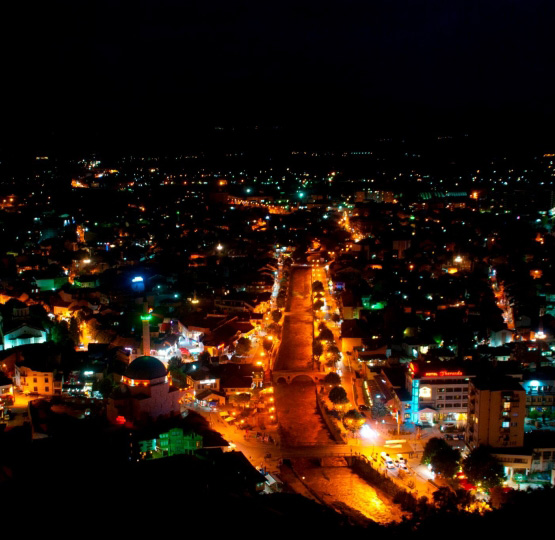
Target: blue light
x=137, y=279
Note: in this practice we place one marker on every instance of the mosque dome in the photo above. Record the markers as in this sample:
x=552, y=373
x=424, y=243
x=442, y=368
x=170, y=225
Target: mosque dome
x=146, y=368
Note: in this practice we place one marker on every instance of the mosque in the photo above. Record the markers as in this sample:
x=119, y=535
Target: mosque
x=145, y=394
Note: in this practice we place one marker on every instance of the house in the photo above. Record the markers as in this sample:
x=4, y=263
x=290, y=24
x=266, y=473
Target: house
x=23, y=334
x=37, y=375
x=161, y=440
x=6, y=393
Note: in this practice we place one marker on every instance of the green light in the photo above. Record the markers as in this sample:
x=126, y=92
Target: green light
x=146, y=317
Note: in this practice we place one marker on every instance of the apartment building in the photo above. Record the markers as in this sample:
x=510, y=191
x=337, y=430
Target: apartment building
x=496, y=412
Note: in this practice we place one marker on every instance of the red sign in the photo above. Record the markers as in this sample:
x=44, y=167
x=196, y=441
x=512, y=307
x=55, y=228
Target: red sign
x=443, y=373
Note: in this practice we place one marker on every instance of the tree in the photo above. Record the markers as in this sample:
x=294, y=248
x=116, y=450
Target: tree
x=332, y=359
x=434, y=445
x=481, y=468
x=338, y=396
x=353, y=420
x=267, y=344
x=317, y=286
x=446, y=461
x=318, y=305
x=325, y=334
x=243, y=346
x=332, y=379
x=105, y=386
x=60, y=332
x=379, y=410
x=317, y=348
x=74, y=332
x=174, y=363
x=276, y=315
x=204, y=357
x=274, y=329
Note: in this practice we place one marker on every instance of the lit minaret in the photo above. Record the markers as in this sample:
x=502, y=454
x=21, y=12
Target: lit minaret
x=146, y=330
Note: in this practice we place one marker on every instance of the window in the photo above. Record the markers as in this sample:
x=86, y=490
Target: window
x=441, y=389
x=35, y=389
x=34, y=379
x=46, y=389
x=505, y=424
x=506, y=405
x=46, y=380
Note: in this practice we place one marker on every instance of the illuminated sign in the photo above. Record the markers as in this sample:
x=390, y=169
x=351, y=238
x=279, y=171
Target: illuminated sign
x=137, y=279
x=443, y=373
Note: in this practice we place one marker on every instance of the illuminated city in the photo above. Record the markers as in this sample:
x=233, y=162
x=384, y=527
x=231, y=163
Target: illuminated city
x=279, y=270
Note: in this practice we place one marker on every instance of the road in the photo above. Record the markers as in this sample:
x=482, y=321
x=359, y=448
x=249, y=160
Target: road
x=296, y=406
x=295, y=352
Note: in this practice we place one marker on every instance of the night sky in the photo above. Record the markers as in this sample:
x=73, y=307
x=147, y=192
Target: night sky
x=160, y=68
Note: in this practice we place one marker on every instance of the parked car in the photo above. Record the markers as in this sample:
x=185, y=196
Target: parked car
x=387, y=461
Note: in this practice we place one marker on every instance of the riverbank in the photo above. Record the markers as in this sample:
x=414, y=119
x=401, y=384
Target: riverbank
x=338, y=487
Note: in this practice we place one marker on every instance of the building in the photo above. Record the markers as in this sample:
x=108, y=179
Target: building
x=167, y=443
x=37, y=376
x=540, y=392
x=23, y=334
x=145, y=394
x=496, y=412
x=439, y=392
x=6, y=394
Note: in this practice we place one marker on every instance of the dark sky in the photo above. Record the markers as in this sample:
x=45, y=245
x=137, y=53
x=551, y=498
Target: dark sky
x=163, y=66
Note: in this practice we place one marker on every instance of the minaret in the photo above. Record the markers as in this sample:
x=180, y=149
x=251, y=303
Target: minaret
x=146, y=330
